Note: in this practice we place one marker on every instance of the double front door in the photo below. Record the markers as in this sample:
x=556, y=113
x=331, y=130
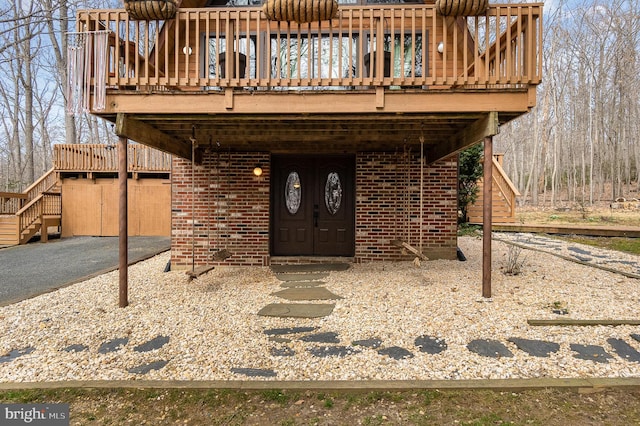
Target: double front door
x=313, y=201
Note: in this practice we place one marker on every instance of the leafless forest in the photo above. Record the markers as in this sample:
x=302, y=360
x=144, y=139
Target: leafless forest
x=579, y=146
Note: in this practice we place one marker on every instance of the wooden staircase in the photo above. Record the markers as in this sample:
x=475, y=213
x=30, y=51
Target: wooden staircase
x=504, y=195
x=22, y=215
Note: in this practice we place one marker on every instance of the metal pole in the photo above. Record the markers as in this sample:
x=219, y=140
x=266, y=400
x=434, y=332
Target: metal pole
x=487, y=209
x=123, y=298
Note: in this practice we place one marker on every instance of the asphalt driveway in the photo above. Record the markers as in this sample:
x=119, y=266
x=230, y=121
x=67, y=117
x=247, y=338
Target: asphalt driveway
x=32, y=269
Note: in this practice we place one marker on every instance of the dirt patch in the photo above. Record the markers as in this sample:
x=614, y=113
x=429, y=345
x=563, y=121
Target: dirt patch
x=597, y=215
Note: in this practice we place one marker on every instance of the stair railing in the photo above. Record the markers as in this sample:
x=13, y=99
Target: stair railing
x=507, y=189
x=33, y=203
x=46, y=204
x=43, y=184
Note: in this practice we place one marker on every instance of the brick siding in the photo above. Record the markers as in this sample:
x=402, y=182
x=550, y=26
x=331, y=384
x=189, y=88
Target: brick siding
x=232, y=208
x=388, y=206
x=227, y=191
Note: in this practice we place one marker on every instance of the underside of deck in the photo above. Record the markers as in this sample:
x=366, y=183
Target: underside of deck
x=315, y=122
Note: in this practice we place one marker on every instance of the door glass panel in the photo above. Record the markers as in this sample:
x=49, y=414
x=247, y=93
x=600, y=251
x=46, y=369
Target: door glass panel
x=293, y=192
x=333, y=193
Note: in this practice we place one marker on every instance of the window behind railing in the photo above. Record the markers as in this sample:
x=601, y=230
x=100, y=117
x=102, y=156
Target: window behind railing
x=418, y=48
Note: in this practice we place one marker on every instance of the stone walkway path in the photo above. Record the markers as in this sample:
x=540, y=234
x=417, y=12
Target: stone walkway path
x=302, y=286
x=608, y=260
x=304, y=281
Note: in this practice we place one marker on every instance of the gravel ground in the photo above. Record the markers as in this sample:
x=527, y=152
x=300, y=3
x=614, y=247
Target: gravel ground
x=213, y=328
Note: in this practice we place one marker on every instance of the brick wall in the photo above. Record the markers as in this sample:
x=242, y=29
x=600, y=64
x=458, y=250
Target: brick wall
x=388, y=206
x=227, y=191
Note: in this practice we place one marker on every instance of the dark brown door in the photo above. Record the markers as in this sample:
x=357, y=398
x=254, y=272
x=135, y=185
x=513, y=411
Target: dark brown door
x=313, y=206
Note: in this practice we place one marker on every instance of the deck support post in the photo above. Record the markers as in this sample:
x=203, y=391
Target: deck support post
x=487, y=206
x=123, y=293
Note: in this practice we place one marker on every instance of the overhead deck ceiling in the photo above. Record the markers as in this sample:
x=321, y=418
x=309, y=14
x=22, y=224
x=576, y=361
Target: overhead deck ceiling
x=443, y=134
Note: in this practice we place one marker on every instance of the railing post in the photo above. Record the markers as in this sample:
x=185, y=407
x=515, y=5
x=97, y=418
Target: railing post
x=123, y=296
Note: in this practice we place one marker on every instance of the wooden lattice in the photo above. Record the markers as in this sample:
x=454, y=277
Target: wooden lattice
x=150, y=10
x=300, y=11
x=462, y=7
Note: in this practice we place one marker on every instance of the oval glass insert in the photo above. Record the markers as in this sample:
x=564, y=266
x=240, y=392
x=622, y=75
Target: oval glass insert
x=293, y=192
x=333, y=193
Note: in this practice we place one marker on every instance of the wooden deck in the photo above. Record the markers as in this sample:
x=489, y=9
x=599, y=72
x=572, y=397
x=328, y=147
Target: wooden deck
x=101, y=158
x=39, y=207
x=449, y=82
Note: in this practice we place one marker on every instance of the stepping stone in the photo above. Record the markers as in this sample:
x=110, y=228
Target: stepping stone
x=368, y=343
x=327, y=351
x=145, y=368
x=396, y=352
x=16, y=353
x=624, y=262
x=289, y=330
x=113, y=345
x=539, y=348
x=310, y=293
x=489, y=348
x=155, y=343
x=302, y=277
x=624, y=350
x=254, y=372
x=430, y=345
x=590, y=353
x=297, y=310
x=579, y=251
x=328, y=337
x=635, y=337
x=76, y=348
x=279, y=339
x=310, y=267
x=283, y=351
x=296, y=284
x=582, y=258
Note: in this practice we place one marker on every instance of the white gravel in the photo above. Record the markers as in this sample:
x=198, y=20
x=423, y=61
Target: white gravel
x=213, y=326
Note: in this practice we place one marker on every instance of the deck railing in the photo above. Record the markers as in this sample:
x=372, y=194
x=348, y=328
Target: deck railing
x=11, y=202
x=104, y=158
x=406, y=45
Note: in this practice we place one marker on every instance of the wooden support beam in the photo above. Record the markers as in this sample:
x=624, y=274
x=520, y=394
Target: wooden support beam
x=143, y=133
x=483, y=127
x=487, y=209
x=123, y=293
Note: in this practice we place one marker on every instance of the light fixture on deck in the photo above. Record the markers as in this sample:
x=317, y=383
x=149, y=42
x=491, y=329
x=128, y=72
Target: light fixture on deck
x=440, y=47
x=187, y=50
x=257, y=170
